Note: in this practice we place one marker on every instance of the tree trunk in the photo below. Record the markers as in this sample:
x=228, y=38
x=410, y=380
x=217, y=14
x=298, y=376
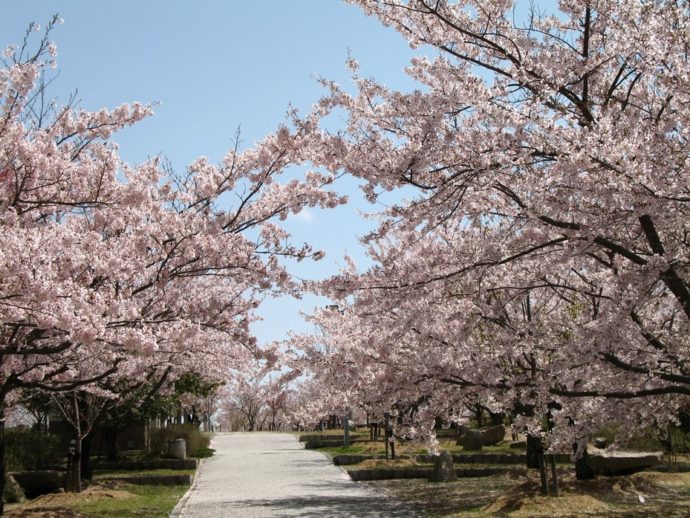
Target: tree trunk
x=479, y=415
x=75, y=476
x=3, y=467
x=109, y=434
x=385, y=434
x=497, y=419
x=77, y=463
x=534, y=449
x=542, y=474
x=86, y=466
x=554, y=475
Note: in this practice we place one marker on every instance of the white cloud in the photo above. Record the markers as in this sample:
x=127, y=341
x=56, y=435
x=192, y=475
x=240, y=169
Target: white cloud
x=305, y=216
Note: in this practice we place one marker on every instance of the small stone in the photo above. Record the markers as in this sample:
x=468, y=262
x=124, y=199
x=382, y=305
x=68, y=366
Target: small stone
x=444, y=470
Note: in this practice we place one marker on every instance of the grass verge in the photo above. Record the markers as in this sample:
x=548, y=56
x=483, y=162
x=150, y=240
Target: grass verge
x=111, y=500
x=145, y=502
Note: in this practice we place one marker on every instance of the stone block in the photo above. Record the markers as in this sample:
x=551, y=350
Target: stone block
x=471, y=440
x=443, y=470
x=622, y=463
x=35, y=483
x=493, y=435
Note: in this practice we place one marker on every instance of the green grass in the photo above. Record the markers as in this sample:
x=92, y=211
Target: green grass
x=147, y=502
x=204, y=453
x=342, y=450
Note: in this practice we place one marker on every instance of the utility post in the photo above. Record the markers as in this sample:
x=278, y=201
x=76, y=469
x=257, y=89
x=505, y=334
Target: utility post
x=346, y=431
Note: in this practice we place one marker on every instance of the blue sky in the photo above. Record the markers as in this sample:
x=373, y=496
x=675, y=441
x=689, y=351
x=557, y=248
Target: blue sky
x=213, y=66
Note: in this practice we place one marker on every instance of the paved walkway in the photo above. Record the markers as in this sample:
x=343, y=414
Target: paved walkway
x=270, y=474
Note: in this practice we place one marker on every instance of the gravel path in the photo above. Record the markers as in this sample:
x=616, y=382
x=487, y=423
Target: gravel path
x=270, y=474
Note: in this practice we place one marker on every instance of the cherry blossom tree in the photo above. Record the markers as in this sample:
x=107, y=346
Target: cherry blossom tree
x=543, y=261
x=111, y=270
x=256, y=397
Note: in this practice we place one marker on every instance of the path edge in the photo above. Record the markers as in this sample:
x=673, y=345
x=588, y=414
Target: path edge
x=177, y=510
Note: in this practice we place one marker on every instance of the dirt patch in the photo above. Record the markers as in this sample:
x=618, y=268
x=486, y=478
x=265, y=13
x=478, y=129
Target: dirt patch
x=54, y=505
x=663, y=479
x=445, y=498
x=44, y=512
x=640, y=495
x=643, y=494
x=518, y=505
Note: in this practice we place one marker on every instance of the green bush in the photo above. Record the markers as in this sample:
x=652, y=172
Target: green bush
x=204, y=453
x=27, y=449
x=647, y=439
x=196, y=440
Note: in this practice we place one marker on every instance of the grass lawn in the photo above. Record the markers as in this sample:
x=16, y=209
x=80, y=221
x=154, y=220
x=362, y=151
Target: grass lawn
x=145, y=502
x=342, y=450
x=112, y=500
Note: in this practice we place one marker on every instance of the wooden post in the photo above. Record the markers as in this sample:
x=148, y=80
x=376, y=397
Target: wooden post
x=554, y=476
x=542, y=474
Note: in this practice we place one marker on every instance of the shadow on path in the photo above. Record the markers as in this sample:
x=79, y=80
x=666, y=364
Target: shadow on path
x=321, y=506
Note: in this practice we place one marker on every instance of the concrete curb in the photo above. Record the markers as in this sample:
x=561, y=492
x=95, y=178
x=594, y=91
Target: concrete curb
x=179, y=508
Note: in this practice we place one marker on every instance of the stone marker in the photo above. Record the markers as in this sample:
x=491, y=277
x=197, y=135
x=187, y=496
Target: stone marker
x=178, y=449
x=444, y=470
x=13, y=493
